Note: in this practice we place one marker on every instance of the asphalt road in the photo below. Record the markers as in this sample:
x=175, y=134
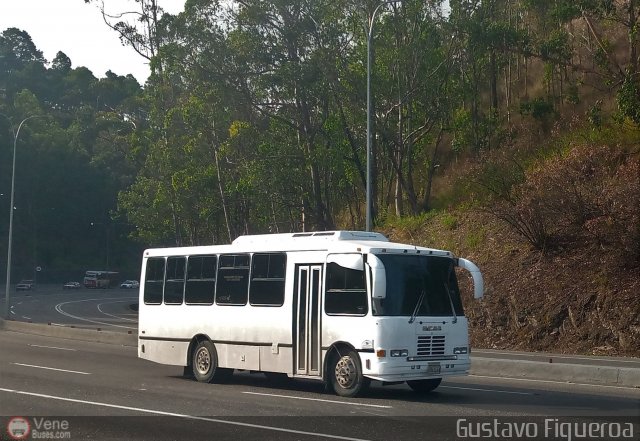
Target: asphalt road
x=108, y=309
x=104, y=391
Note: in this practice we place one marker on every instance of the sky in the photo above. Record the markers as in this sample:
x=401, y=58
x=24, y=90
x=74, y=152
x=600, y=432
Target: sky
x=78, y=30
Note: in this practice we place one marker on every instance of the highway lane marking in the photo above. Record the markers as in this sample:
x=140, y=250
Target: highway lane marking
x=487, y=390
x=555, y=382
x=51, y=347
x=181, y=415
x=320, y=399
x=59, y=309
x=115, y=316
x=51, y=369
x=27, y=318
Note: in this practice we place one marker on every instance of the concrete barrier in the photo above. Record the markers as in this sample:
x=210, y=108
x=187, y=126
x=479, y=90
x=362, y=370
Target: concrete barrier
x=95, y=335
x=571, y=373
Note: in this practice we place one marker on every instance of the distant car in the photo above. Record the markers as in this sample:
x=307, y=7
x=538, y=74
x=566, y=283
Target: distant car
x=130, y=284
x=72, y=285
x=25, y=285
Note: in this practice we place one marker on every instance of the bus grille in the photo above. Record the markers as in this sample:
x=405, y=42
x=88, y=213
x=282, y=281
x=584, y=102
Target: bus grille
x=431, y=345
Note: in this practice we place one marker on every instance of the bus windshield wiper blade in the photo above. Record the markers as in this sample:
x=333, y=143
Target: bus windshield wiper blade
x=418, y=305
x=446, y=287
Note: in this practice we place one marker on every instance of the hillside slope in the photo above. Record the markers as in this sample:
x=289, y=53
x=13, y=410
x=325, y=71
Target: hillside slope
x=579, y=296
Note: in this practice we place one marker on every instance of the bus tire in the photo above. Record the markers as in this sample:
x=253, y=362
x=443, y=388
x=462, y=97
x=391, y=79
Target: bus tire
x=204, y=361
x=345, y=374
x=424, y=386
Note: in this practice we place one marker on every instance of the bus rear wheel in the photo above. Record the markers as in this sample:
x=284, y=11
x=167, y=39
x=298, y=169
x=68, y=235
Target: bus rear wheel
x=204, y=362
x=345, y=374
x=424, y=386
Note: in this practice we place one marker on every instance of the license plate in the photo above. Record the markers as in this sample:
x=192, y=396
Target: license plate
x=433, y=368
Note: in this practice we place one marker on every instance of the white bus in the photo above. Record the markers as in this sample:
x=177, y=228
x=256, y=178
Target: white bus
x=343, y=307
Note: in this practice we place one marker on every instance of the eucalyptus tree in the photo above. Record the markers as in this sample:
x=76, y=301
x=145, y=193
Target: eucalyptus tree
x=288, y=49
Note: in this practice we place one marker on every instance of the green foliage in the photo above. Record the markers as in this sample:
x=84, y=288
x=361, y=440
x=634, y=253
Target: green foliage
x=628, y=98
x=556, y=47
x=449, y=221
x=410, y=223
x=539, y=108
x=254, y=118
x=474, y=240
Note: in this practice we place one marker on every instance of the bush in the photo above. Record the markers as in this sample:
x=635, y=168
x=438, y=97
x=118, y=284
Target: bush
x=619, y=224
x=587, y=193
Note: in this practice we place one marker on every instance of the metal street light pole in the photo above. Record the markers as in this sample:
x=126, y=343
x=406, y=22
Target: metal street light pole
x=370, y=112
x=13, y=180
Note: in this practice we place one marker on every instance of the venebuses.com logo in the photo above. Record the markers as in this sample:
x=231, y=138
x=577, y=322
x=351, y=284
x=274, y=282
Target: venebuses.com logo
x=18, y=428
x=21, y=428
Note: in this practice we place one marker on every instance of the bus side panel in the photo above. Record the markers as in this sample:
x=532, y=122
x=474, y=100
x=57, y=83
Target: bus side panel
x=276, y=359
x=164, y=352
x=238, y=356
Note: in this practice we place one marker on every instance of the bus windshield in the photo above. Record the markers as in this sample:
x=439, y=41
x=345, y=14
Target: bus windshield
x=409, y=276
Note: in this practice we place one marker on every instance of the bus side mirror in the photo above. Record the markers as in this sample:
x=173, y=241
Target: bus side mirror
x=478, y=283
x=379, y=277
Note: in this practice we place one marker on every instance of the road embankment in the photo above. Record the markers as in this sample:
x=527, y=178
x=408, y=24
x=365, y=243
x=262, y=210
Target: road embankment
x=96, y=334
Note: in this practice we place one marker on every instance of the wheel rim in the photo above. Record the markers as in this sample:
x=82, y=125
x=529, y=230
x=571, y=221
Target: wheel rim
x=346, y=372
x=203, y=361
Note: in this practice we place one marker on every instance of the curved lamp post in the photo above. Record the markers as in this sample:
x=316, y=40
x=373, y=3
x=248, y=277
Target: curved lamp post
x=13, y=180
x=370, y=109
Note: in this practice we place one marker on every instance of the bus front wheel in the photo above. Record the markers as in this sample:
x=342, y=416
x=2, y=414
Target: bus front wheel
x=424, y=386
x=204, y=363
x=345, y=374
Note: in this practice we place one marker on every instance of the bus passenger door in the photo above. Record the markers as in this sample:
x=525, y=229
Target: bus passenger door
x=307, y=319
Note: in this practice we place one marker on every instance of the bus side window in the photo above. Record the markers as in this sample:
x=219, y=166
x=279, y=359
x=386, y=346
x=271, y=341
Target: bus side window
x=154, y=281
x=267, y=279
x=232, y=286
x=174, y=283
x=201, y=280
x=346, y=292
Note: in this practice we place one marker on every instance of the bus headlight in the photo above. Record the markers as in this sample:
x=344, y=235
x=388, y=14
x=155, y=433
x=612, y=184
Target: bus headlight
x=460, y=350
x=399, y=353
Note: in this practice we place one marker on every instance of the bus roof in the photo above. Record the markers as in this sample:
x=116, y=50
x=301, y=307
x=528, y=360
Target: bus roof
x=332, y=241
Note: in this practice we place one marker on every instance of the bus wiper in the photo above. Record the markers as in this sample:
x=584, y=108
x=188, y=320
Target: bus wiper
x=446, y=287
x=418, y=305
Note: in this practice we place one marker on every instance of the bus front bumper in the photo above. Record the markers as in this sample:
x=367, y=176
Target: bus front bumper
x=390, y=371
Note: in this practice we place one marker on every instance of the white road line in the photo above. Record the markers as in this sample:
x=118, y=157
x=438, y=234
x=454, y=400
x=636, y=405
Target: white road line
x=12, y=311
x=27, y=318
x=115, y=316
x=487, y=390
x=348, y=403
x=554, y=382
x=51, y=347
x=51, y=369
x=59, y=309
x=180, y=415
